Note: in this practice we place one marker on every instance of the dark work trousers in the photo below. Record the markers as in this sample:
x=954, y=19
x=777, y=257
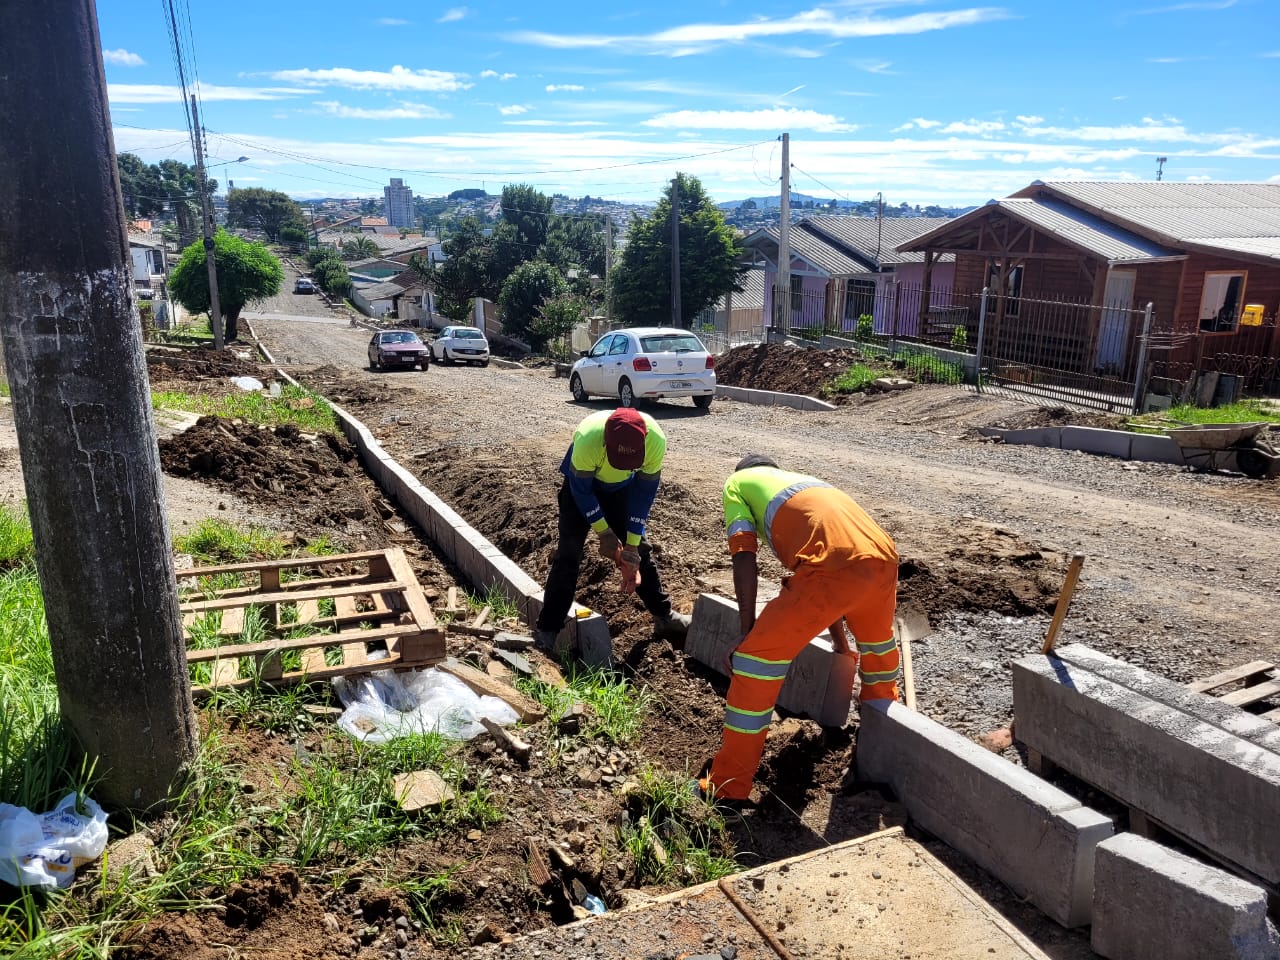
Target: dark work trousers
x=562, y=580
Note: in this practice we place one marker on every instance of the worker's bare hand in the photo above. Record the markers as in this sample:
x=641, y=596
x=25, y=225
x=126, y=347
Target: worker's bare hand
x=609, y=545
x=726, y=666
x=840, y=640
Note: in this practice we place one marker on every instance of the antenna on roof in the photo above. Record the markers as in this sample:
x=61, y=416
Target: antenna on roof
x=1160, y=162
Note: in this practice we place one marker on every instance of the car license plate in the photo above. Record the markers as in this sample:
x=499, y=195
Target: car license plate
x=680, y=385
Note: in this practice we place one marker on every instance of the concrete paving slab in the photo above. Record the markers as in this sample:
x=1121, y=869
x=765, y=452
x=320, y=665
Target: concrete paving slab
x=1155, y=449
x=1112, y=443
x=772, y=398
x=1034, y=837
x=1153, y=903
x=1212, y=787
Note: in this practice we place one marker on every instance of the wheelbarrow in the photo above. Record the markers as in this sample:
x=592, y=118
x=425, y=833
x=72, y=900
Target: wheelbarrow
x=1227, y=446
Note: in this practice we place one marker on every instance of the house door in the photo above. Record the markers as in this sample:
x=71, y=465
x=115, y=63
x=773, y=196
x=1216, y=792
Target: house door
x=1113, y=331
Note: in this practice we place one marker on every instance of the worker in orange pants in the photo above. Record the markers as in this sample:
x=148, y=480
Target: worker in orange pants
x=845, y=572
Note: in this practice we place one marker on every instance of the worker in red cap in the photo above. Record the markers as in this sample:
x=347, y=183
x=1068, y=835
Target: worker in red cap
x=611, y=476
x=844, y=572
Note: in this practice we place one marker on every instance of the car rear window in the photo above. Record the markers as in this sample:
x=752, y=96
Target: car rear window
x=468, y=335
x=670, y=343
x=399, y=338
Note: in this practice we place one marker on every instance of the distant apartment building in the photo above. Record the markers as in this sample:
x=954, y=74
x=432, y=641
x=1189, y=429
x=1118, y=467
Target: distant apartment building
x=398, y=202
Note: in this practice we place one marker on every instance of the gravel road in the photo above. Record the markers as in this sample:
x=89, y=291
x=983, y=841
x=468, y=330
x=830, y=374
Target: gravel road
x=1182, y=572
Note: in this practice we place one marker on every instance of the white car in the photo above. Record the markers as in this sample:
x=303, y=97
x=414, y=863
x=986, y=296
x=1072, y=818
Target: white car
x=461, y=345
x=646, y=363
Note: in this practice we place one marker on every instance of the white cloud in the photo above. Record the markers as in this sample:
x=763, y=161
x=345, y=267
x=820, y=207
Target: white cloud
x=495, y=75
x=775, y=119
x=1272, y=55
x=514, y=110
x=165, y=93
x=123, y=58
x=820, y=21
x=875, y=66
x=554, y=123
x=405, y=111
x=1031, y=121
x=1186, y=7
x=919, y=123
x=565, y=88
x=392, y=22
x=982, y=128
x=397, y=78
x=453, y=14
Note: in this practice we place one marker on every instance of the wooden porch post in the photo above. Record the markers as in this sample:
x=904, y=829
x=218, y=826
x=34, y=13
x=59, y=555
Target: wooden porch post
x=922, y=329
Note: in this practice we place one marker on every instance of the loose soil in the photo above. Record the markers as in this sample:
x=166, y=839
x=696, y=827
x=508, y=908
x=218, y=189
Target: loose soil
x=1032, y=417
x=775, y=366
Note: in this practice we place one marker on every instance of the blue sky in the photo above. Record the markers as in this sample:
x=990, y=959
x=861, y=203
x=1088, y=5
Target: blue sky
x=924, y=100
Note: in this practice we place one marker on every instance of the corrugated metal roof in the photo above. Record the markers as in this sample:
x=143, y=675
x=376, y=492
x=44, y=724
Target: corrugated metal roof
x=812, y=250
x=386, y=290
x=865, y=234
x=752, y=295
x=1234, y=217
x=1084, y=230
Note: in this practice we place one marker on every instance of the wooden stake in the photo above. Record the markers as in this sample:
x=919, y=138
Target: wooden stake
x=481, y=617
x=1064, y=602
x=908, y=672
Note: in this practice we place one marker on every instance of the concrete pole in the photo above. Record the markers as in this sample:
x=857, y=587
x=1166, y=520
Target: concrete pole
x=782, y=295
x=982, y=333
x=676, y=313
x=1140, y=371
x=608, y=270
x=82, y=408
x=206, y=232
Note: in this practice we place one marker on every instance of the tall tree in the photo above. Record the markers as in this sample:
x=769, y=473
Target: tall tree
x=265, y=210
x=246, y=272
x=526, y=290
x=169, y=187
x=359, y=247
x=86, y=437
x=710, y=255
x=528, y=210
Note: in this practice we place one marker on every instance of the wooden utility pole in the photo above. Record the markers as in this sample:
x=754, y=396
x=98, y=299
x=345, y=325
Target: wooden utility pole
x=782, y=291
x=676, y=317
x=206, y=230
x=82, y=408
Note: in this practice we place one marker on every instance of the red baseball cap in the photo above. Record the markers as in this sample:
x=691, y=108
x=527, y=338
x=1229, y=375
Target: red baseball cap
x=624, y=435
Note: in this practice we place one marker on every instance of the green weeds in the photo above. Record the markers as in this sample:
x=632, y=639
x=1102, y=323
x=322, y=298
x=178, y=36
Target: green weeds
x=1245, y=411
x=854, y=380
x=617, y=707
x=501, y=607
x=926, y=368
x=295, y=406
x=672, y=834
x=15, y=538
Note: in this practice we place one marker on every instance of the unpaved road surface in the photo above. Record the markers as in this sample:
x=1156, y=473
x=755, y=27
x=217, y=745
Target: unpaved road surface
x=1182, y=571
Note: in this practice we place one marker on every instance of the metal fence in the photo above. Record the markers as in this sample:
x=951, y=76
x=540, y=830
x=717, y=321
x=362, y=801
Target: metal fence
x=1241, y=363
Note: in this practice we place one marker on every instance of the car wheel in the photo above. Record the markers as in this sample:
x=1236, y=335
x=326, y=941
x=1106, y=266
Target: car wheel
x=577, y=389
x=703, y=403
x=448, y=360
x=626, y=395
x=374, y=365
x=484, y=363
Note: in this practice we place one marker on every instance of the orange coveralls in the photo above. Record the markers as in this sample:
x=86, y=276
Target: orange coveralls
x=844, y=565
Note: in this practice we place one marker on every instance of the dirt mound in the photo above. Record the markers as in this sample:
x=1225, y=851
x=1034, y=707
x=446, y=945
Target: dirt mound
x=199, y=363
x=1058, y=417
x=344, y=388
x=774, y=366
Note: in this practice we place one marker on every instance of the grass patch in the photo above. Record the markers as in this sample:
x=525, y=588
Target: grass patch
x=16, y=546
x=1245, y=411
x=617, y=706
x=501, y=607
x=926, y=368
x=295, y=406
x=672, y=835
x=854, y=380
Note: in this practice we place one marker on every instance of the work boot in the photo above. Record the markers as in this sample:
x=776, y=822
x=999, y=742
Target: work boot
x=544, y=639
x=673, y=625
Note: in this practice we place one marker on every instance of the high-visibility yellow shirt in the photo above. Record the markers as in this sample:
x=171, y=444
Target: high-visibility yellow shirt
x=588, y=469
x=802, y=518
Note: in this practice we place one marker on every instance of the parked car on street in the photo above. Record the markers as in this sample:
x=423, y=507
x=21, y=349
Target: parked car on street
x=303, y=285
x=398, y=348
x=646, y=363
x=461, y=345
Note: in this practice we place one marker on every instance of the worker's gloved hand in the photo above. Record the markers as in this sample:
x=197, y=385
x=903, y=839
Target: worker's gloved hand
x=609, y=545
x=629, y=564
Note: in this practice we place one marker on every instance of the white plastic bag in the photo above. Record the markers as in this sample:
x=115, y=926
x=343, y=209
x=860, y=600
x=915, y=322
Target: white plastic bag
x=248, y=384
x=46, y=850
x=385, y=705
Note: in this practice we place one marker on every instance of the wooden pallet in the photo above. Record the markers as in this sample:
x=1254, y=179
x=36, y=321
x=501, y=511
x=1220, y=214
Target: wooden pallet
x=1251, y=684
x=370, y=604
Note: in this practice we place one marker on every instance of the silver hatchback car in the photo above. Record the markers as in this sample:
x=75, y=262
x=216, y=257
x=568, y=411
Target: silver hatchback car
x=646, y=363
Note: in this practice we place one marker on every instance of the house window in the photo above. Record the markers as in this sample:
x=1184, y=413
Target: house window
x=1220, y=302
x=859, y=299
x=1011, y=289
x=797, y=293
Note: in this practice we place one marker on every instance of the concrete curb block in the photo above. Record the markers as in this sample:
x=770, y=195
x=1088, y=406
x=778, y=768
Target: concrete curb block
x=1032, y=836
x=1212, y=786
x=587, y=633
x=819, y=684
x=1110, y=443
x=1152, y=903
x=772, y=398
x=504, y=364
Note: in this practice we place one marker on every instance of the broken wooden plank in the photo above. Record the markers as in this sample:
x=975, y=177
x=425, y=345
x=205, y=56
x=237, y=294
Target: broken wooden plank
x=539, y=872
x=452, y=598
x=481, y=617
x=1249, y=671
x=512, y=745
x=530, y=710
x=1248, y=695
x=467, y=629
x=417, y=603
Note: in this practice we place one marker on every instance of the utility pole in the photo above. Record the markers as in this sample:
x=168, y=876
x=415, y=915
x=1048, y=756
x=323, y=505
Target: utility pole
x=206, y=230
x=608, y=269
x=676, y=318
x=81, y=405
x=782, y=292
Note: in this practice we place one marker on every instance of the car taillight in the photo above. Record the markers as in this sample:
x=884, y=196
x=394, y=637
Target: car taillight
x=711, y=362
x=641, y=365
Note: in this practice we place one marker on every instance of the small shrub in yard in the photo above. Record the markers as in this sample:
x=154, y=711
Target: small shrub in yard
x=866, y=327
x=857, y=378
x=959, y=338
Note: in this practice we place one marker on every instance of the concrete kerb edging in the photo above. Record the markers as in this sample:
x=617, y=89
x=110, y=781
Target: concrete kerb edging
x=484, y=564
x=1111, y=443
x=1037, y=839
x=772, y=398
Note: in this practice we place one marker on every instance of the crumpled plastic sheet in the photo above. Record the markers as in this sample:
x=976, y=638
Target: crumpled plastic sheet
x=387, y=704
